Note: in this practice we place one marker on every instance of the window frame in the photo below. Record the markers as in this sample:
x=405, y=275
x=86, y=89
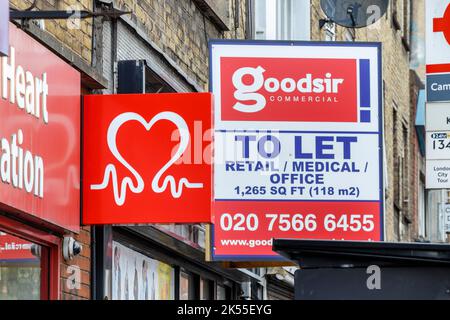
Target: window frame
x=280, y=12
x=50, y=254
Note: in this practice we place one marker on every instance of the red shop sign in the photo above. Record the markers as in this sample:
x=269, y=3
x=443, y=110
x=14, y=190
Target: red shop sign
x=39, y=133
x=147, y=158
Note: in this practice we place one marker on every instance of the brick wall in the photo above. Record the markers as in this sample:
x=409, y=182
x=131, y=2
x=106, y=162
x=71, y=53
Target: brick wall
x=76, y=37
x=181, y=30
x=77, y=286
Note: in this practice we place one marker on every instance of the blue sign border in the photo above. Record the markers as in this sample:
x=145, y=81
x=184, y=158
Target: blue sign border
x=378, y=46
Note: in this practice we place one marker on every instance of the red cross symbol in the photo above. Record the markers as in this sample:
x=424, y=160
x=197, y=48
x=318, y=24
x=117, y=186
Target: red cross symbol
x=443, y=24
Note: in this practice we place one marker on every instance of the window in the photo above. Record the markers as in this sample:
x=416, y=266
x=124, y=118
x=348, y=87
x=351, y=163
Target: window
x=206, y=289
x=257, y=291
x=401, y=19
x=405, y=176
x=193, y=235
x=330, y=31
x=136, y=276
x=398, y=173
x=350, y=35
x=406, y=15
x=397, y=226
x=397, y=159
x=29, y=262
x=199, y=234
x=282, y=19
x=421, y=208
x=184, y=285
x=154, y=83
x=435, y=200
x=222, y=292
x=395, y=8
x=20, y=269
x=194, y=287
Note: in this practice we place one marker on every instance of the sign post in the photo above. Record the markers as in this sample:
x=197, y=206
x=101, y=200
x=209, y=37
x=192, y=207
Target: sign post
x=145, y=159
x=438, y=94
x=298, y=145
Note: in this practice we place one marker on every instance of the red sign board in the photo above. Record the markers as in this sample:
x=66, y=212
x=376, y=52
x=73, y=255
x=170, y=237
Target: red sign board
x=282, y=220
x=39, y=133
x=147, y=158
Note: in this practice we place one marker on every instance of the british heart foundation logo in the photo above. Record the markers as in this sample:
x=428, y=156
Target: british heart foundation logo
x=135, y=182
x=133, y=145
x=295, y=89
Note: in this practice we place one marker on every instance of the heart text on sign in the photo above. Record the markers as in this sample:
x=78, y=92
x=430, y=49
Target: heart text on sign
x=19, y=167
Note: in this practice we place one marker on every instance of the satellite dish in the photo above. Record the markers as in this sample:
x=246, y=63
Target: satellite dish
x=354, y=13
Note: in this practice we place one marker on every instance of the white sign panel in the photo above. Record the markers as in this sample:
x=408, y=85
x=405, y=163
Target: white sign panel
x=438, y=90
x=438, y=117
x=438, y=145
x=438, y=174
x=291, y=173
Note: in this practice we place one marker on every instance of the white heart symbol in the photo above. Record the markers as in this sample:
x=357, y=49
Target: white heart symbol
x=127, y=182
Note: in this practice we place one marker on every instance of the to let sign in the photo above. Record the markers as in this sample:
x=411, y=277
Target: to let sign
x=298, y=145
x=147, y=158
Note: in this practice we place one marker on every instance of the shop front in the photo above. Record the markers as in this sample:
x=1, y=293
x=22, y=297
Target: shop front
x=159, y=263
x=39, y=167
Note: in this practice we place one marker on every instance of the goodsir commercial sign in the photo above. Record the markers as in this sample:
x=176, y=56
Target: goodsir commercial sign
x=39, y=133
x=298, y=145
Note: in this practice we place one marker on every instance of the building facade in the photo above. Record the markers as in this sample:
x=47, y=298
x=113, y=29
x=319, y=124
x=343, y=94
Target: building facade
x=162, y=46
